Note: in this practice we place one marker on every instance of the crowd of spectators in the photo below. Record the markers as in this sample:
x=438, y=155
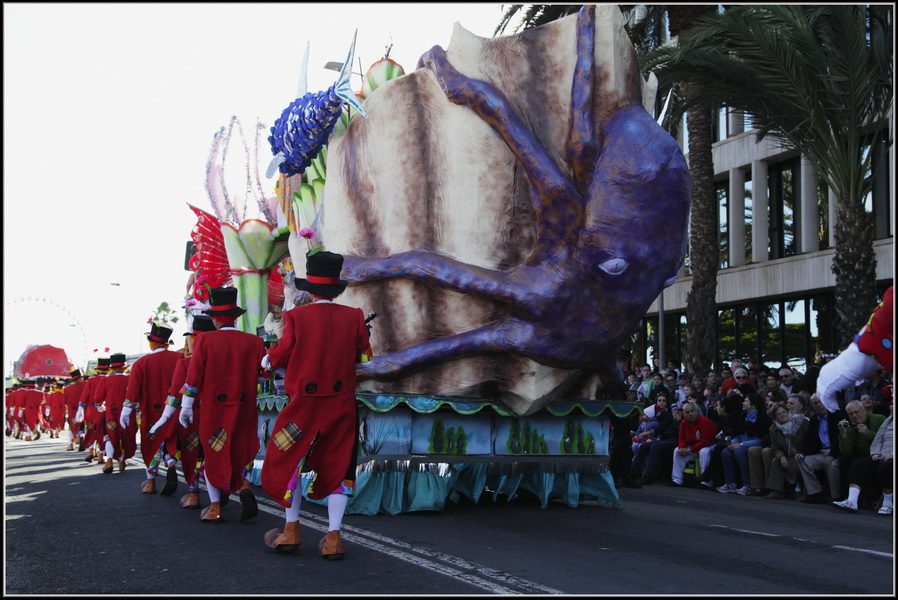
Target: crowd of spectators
x=751, y=430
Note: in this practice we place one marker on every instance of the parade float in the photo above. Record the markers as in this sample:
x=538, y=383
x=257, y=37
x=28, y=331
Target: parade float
x=509, y=210
x=42, y=361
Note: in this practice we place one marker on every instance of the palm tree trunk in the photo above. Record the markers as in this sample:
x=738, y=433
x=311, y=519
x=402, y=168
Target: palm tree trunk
x=704, y=250
x=854, y=265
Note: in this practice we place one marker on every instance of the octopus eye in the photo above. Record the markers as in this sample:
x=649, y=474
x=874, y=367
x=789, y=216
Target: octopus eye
x=614, y=266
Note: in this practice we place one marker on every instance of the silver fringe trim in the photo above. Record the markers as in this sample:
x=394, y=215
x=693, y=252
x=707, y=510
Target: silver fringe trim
x=495, y=465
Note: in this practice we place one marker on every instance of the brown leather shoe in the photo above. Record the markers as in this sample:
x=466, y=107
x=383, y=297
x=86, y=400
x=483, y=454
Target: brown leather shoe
x=121, y=465
x=248, y=506
x=330, y=547
x=190, y=500
x=211, y=514
x=107, y=467
x=245, y=485
x=286, y=540
x=148, y=486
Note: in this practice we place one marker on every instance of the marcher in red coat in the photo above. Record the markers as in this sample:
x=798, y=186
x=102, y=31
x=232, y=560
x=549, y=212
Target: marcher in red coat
x=223, y=381
x=71, y=394
x=191, y=449
x=33, y=397
x=56, y=413
x=147, y=389
x=121, y=442
x=319, y=347
x=92, y=412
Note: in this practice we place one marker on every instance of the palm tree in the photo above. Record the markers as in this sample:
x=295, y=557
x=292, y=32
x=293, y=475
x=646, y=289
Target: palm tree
x=818, y=78
x=535, y=15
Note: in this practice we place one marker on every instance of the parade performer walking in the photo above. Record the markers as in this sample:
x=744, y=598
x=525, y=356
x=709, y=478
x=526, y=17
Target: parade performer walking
x=91, y=410
x=33, y=398
x=120, y=442
x=319, y=347
x=56, y=413
x=221, y=385
x=71, y=394
x=147, y=386
x=191, y=449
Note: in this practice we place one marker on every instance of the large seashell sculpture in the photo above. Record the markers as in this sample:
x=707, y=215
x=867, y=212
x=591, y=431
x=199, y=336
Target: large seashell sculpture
x=510, y=210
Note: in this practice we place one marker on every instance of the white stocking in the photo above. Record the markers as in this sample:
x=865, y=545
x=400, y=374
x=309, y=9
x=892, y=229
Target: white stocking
x=214, y=492
x=110, y=451
x=293, y=509
x=336, y=506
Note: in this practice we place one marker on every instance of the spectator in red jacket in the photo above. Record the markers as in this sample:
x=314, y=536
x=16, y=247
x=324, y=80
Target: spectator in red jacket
x=696, y=432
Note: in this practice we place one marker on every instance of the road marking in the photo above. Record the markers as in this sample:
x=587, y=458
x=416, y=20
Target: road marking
x=837, y=547
x=485, y=578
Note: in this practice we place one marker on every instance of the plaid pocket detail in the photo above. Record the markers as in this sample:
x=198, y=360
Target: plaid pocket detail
x=192, y=442
x=287, y=436
x=218, y=439
x=111, y=425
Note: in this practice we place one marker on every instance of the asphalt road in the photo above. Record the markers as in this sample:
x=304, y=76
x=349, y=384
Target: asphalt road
x=72, y=530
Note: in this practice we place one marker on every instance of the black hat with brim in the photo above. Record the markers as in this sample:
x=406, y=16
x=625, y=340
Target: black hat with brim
x=224, y=302
x=323, y=274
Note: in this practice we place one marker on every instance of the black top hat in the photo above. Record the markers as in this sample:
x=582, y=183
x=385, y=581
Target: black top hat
x=159, y=334
x=323, y=274
x=201, y=324
x=75, y=374
x=102, y=364
x=224, y=302
x=117, y=361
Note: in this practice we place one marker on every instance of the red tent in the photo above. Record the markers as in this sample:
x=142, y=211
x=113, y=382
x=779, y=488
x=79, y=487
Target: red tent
x=42, y=361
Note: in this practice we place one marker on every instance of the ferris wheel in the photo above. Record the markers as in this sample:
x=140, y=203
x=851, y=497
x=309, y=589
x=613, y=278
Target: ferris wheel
x=31, y=309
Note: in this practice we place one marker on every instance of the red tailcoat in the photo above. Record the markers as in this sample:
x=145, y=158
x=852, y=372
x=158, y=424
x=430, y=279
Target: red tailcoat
x=56, y=418
x=19, y=407
x=71, y=395
x=191, y=449
x=148, y=383
x=124, y=441
x=224, y=369
x=33, y=399
x=94, y=418
x=319, y=348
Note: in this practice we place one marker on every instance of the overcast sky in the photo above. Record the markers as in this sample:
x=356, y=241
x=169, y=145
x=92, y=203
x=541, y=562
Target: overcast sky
x=109, y=115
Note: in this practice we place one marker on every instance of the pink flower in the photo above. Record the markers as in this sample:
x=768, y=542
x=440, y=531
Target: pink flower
x=307, y=232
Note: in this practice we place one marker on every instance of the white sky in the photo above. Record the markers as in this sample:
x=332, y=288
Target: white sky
x=109, y=115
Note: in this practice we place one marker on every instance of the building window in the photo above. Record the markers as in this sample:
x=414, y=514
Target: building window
x=749, y=217
x=723, y=221
x=784, y=201
x=877, y=202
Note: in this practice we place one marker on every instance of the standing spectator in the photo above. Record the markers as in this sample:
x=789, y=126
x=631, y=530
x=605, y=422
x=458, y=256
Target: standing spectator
x=855, y=436
x=821, y=451
x=714, y=379
x=753, y=426
x=786, y=440
x=879, y=465
x=317, y=430
x=672, y=384
x=696, y=438
x=808, y=382
x=147, y=386
x=646, y=381
x=771, y=382
x=698, y=382
x=223, y=381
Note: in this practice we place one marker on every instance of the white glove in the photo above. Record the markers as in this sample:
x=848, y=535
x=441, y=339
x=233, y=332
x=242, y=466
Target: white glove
x=186, y=416
x=125, y=419
x=101, y=408
x=166, y=415
x=842, y=371
x=46, y=412
x=266, y=364
x=79, y=416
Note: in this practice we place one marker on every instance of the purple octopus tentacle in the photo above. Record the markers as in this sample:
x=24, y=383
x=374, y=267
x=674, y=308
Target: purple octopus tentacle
x=435, y=269
x=496, y=338
x=557, y=203
x=581, y=150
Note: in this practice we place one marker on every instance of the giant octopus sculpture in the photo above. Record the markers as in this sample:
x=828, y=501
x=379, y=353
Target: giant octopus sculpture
x=510, y=210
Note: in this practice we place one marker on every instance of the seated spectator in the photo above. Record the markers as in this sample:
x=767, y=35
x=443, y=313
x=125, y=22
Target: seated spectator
x=788, y=380
x=878, y=466
x=726, y=416
x=698, y=382
x=786, y=441
x=671, y=383
x=855, y=436
x=771, y=382
x=772, y=397
x=753, y=425
x=696, y=438
x=649, y=455
x=799, y=404
x=821, y=452
x=867, y=401
x=652, y=421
